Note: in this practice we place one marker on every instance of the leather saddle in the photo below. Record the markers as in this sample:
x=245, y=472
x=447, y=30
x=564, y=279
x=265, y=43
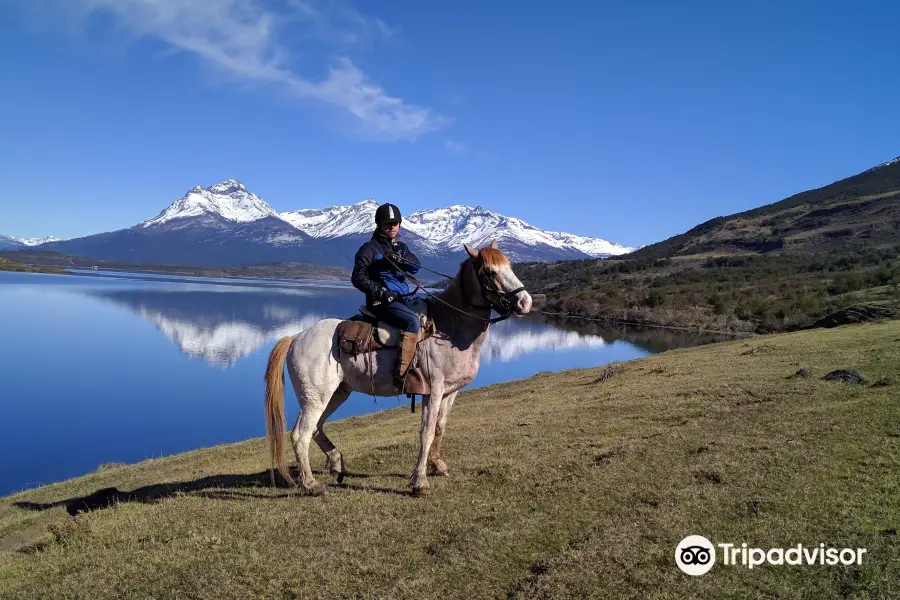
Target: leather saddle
x=364, y=333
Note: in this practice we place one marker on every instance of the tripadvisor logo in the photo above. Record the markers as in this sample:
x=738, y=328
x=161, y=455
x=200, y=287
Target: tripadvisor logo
x=696, y=555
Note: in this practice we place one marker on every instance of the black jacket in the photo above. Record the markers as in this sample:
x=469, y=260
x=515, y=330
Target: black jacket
x=372, y=272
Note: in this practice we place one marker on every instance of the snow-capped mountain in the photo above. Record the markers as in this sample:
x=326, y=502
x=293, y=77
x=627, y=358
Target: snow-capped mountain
x=228, y=200
x=446, y=229
x=37, y=241
x=11, y=242
x=477, y=226
x=594, y=247
x=334, y=221
x=225, y=224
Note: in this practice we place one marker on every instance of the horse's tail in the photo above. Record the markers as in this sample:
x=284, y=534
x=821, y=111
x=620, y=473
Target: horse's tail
x=275, y=407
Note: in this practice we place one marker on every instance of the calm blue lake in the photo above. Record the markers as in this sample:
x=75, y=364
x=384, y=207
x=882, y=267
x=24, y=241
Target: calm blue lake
x=98, y=368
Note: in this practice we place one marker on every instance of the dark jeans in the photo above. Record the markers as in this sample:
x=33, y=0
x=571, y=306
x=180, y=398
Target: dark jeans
x=398, y=315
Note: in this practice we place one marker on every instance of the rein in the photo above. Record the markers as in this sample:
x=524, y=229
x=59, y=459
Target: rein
x=504, y=310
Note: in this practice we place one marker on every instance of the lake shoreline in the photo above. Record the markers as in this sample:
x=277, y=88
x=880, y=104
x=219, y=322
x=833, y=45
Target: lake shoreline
x=285, y=271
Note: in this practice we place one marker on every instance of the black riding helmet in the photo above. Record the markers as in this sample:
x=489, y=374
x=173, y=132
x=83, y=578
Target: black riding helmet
x=387, y=213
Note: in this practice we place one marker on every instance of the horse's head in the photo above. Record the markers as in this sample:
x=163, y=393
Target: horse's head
x=492, y=283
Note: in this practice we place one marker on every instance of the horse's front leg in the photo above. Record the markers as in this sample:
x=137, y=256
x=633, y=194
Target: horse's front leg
x=435, y=460
x=431, y=406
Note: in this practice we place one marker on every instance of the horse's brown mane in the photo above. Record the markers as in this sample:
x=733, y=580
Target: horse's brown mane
x=494, y=258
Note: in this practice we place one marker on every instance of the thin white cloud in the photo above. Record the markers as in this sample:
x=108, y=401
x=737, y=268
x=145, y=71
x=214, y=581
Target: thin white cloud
x=385, y=29
x=454, y=146
x=338, y=23
x=245, y=40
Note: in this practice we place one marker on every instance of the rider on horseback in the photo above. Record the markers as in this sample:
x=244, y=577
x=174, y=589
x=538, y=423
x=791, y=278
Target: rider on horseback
x=379, y=272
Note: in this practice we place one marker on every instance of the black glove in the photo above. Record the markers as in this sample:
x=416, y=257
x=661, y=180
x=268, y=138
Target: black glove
x=387, y=296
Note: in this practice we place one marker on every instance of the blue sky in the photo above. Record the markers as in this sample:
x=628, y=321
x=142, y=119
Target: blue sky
x=627, y=121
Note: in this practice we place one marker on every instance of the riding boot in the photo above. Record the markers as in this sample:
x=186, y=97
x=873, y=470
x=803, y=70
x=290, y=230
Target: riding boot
x=406, y=352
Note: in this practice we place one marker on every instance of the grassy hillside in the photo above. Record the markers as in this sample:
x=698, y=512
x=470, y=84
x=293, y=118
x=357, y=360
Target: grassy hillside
x=779, y=267
x=754, y=293
x=856, y=213
x=571, y=484
x=48, y=259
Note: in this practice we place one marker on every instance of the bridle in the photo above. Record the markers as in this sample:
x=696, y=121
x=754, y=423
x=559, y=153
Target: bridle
x=503, y=306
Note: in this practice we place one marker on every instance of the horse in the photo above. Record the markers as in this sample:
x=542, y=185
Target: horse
x=323, y=377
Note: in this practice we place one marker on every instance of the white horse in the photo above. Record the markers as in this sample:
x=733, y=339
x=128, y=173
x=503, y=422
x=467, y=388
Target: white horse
x=323, y=377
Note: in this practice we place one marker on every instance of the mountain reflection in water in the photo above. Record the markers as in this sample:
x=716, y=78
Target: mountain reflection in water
x=221, y=327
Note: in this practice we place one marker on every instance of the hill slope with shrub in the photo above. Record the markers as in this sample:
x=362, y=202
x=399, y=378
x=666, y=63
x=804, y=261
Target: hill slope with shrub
x=778, y=267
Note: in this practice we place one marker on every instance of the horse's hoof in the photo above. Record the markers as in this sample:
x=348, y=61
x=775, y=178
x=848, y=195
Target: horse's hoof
x=339, y=475
x=319, y=489
x=421, y=492
x=433, y=472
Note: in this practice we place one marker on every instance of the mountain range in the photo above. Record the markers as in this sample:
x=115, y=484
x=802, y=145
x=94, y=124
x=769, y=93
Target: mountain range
x=226, y=224
x=16, y=243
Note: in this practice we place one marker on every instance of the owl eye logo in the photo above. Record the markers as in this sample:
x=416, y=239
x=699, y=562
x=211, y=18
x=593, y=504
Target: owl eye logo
x=695, y=555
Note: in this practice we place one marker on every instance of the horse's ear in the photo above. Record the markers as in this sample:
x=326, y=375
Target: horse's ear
x=494, y=244
x=471, y=252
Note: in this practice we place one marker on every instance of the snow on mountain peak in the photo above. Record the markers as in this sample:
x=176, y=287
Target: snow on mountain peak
x=446, y=228
x=12, y=242
x=590, y=246
x=478, y=226
x=885, y=164
x=229, y=200
x=37, y=241
x=439, y=230
x=228, y=186
x=334, y=221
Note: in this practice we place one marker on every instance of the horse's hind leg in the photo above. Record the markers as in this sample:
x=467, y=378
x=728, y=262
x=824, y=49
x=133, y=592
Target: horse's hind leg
x=334, y=460
x=315, y=375
x=301, y=436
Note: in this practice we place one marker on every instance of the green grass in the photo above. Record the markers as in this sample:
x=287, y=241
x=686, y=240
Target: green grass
x=564, y=486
